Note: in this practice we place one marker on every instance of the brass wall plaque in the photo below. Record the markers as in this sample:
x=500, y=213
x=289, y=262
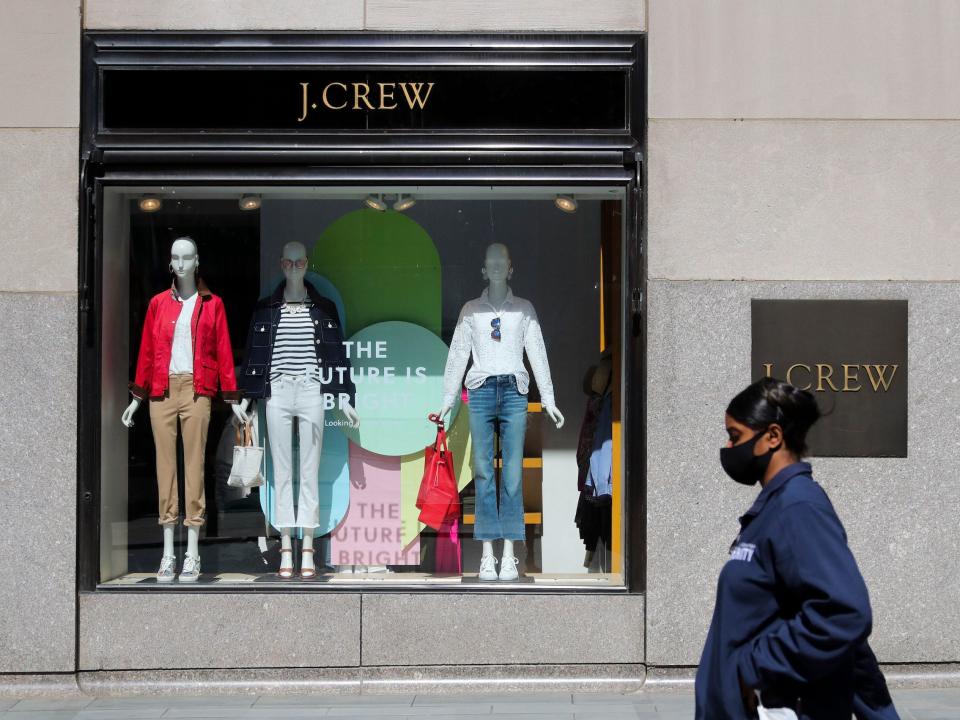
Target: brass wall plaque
x=852, y=355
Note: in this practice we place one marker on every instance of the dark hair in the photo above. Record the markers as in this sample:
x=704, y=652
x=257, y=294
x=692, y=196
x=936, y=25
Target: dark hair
x=770, y=401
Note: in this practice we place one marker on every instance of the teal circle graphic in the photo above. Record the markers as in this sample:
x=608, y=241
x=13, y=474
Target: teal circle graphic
x=397, y=390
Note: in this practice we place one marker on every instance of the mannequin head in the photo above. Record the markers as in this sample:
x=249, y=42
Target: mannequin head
x=497, y=268
x=293, y=262
x=184, y=259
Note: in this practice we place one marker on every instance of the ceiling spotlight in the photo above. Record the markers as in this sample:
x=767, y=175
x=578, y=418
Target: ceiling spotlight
x=375, y=202
x=250, y=202
x=404, y=203
x=565, y=203
x=150, y=204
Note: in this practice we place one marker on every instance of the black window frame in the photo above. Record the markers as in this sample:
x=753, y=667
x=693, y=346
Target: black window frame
x=521, y=157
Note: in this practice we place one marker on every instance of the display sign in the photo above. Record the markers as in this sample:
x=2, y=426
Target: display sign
x=852, y=355
x=284, y=99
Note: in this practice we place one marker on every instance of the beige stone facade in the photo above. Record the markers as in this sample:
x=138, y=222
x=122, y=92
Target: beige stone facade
x=794, y=150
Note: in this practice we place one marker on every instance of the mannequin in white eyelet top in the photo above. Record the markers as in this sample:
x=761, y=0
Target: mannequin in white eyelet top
x=496, y=329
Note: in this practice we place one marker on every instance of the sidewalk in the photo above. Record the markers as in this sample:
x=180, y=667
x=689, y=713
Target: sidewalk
x=913, y=705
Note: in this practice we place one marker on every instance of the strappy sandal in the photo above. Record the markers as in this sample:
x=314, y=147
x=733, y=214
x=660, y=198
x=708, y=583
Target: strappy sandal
x=307, y=573
x=286, y=573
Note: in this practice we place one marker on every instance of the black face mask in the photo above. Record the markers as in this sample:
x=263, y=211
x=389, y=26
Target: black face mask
x=742, y=465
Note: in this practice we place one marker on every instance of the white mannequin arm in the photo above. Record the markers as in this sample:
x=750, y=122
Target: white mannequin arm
x=351, y=415
x=127, y=417
x=457, y=358
x=444, y=411
x=240, y=411
x=554, y=415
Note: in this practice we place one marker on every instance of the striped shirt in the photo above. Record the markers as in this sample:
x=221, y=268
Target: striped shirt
x=294, y=351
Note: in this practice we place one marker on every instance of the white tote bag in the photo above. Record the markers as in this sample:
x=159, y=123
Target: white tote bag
x=247, y=459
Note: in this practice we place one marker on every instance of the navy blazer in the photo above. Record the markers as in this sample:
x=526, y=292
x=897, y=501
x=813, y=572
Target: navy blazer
x=792, y=609
x=254, y=378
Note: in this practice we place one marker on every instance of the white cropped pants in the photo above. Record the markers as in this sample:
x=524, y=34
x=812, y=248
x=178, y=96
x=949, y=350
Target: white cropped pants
x=300, y=397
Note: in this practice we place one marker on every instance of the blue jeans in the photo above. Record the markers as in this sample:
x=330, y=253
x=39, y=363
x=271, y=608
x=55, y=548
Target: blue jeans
x=498, y=400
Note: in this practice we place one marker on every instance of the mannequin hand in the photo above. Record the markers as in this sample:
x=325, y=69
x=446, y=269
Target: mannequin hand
x=445, y=411
x=358, y=479
x=351, y=415
x=554, y=415
x=239, y=411
x=127, y=417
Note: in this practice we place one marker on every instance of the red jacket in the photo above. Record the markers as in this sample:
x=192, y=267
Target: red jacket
x=212, y=353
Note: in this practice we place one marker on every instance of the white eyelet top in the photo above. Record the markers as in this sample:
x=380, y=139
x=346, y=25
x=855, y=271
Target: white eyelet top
x=519, y=332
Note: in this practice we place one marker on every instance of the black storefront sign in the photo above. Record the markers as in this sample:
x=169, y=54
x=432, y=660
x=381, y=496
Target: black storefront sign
x=852, y=355
x=342, y=99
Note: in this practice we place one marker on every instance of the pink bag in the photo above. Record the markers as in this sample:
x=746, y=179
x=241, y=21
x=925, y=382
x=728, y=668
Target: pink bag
x=448, y=549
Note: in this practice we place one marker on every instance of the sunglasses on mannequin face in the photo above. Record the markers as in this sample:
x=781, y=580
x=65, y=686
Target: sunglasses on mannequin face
x=495, y=333
x=299, y=264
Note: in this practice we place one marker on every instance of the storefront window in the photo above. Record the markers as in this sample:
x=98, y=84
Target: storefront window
x=338, y=320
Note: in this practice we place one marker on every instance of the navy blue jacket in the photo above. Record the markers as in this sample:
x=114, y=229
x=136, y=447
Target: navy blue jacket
x=254, y=380
x=792, y=609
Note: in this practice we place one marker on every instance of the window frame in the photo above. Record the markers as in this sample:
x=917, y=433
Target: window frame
x=478, y=158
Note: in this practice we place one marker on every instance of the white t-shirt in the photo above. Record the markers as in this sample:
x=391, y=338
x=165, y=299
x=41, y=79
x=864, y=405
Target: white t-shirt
x=519, y=332
x=181, y=355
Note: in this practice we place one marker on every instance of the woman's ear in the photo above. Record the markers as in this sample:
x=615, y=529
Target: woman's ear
x=775, y=436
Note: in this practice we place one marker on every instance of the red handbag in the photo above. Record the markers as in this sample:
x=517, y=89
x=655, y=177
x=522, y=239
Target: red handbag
x=438, y=499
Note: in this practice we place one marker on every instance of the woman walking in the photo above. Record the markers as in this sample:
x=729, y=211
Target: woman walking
x=789, y=631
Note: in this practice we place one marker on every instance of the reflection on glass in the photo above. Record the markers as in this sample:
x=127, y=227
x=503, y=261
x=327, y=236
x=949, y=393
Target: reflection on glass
x=346, y=327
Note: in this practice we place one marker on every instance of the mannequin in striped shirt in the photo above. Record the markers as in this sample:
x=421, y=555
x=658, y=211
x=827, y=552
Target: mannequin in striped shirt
x=297, y=392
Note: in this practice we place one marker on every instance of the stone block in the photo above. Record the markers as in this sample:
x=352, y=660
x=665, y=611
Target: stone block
x=507, y=629
x=501, y=15
x=40, y=54
x=38, y=482
x=38, y=203
x=803, y=200
x=192, y=630
x=814, y=59
x=316, y=15
x=899, y=513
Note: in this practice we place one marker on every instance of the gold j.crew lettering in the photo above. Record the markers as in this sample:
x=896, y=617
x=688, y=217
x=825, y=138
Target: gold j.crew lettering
x=845, y=377
x=361, y=96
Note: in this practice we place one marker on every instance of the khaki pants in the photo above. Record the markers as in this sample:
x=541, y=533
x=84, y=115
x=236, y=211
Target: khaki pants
x=193, y=411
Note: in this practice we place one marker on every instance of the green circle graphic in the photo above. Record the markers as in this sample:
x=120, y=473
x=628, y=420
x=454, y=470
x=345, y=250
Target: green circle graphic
x=397, y=390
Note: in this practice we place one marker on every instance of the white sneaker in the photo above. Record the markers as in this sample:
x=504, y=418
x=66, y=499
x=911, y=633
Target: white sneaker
x=488, y=567
x=167, y=569
x=191, y=569
x=508, y=568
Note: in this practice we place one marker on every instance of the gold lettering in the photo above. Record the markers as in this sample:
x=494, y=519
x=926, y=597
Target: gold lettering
x=385, y=95
x=768, y=369
x=825, y=377
x=326, y=99
x=851, y=373
x=358, y=96
x=414, y=98
x=790, y=374
x=881, y=378
x=303, y=117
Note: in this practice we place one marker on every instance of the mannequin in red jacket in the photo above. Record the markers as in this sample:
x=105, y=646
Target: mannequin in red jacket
x=185, y=355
